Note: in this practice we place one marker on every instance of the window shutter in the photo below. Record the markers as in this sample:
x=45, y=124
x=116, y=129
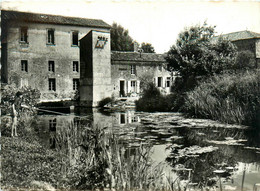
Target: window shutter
x=129, y=87
x=129, y=117
x=138, y=87
x=155, y=82
x=163, y=81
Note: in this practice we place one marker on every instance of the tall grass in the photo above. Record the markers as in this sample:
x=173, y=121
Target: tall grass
x=230, y=98
x=93, y=158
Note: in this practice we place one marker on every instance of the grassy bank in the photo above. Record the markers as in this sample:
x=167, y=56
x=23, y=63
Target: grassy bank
x=229, y=98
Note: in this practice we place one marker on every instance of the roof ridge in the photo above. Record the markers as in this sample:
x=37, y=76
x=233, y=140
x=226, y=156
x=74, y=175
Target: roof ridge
x=51, y=18
x=117, y=51
x=45, y=14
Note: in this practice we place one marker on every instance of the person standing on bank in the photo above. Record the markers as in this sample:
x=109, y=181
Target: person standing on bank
x=14, y=113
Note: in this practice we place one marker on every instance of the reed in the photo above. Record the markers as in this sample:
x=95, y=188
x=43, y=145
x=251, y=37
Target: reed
x=230, y=98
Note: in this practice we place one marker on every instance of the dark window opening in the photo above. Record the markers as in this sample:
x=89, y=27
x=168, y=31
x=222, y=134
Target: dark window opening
x=24, y=65
x=24, y=34
x=122, y=118
x=52, y=84
x=75, y=66
x=159, y=81
x=75, y=38
x=168, y=82
x=51, y=66
x=52, y=124
x=50, y=37
x=75, y=84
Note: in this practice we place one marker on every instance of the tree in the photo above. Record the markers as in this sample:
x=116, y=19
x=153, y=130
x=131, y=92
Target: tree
x=120, y=39
x=198, y=55
x=245, y=60
x=147, y=47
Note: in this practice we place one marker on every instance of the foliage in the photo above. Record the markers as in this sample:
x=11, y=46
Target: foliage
x=29, y=97
x=230, y=98
x=152, y=100
x=197, y=55
x=105, y=101
x=245, y=60
x=145, y=81
x=120, y=39
x=147, y=47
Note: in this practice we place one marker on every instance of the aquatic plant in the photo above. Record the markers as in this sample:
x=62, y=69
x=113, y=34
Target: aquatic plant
x=227, y=98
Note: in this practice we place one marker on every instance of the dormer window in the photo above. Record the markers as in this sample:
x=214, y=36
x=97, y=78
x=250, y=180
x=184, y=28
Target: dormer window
x=50, y=36
x=24, y=35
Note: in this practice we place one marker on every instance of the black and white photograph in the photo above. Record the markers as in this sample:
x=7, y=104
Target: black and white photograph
x=130, y=95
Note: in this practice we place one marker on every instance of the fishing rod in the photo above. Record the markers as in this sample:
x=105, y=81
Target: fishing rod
x=45, y=110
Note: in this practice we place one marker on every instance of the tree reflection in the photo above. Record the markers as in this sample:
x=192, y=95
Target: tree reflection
x=195, y=152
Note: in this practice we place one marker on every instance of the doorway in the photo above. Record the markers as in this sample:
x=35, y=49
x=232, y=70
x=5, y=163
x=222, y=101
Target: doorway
x=122, y=88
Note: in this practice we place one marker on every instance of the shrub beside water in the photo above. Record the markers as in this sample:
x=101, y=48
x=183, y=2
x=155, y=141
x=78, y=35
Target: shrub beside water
x=230, y=98
x=152, y=100
x=104, y=101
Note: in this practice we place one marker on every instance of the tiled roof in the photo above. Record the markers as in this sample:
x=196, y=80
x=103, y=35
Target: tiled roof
x=136, y=56
x=52, y=19
x=241, y=35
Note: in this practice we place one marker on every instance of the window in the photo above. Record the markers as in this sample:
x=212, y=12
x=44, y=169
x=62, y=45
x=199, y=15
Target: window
x=51, y=66
x=24, y=34
x=75, y=38
x=159, y=82
x=133, y=86
x=24, y=65
x=52, y=124
x=160, y=68
x=52, y=84
x=75, y=66
x=50, y=36
x=122, y=118
x=168, y=82
x=75, y=84
x=133, y=69
x=134, y=119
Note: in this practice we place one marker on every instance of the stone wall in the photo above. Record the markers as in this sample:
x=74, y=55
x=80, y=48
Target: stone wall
x=95, y=62
x=37, y=52
x=148, y=71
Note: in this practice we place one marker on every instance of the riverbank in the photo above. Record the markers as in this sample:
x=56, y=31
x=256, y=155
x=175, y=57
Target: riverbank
x=31, y=160
x=228, y=98
x=25, y=161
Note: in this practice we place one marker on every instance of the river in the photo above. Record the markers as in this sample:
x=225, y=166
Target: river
x=197, y=153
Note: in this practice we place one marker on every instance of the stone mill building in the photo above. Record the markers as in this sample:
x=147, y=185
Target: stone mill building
x=61, y=55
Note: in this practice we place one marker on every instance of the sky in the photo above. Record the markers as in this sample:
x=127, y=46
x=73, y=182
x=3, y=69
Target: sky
x=153, y=21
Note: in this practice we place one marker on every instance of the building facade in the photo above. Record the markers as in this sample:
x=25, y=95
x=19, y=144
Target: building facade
x=130, y=69
x=246, y=40
x=42, y=51
x=60, y=55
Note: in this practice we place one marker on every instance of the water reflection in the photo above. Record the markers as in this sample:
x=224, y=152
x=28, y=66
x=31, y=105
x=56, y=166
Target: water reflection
x=196, y=149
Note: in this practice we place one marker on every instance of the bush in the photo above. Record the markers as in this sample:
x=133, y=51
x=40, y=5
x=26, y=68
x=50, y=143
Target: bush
x=104, y=101
x=152, y=100
x=29, y=97
x=245, y=60
x=230, y=98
